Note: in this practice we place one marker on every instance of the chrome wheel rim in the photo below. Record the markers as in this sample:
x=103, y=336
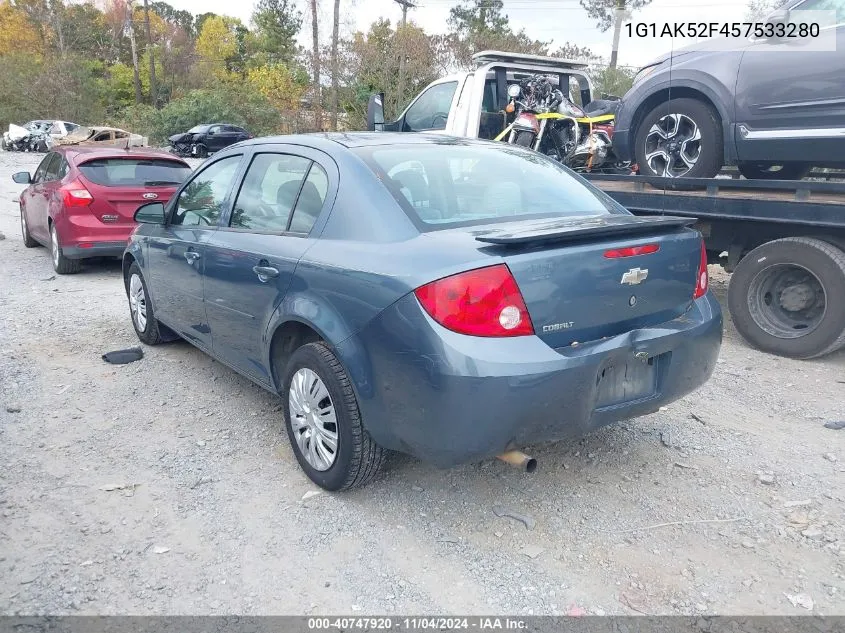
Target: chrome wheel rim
x=313, y=419
x=787, y=301
x=673, y=146
x=138, y=302
x=54, y=245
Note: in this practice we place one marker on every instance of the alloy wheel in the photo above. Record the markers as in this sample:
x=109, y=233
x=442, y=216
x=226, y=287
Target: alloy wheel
x=313, y=419
x=673, y=145
x=138, y=302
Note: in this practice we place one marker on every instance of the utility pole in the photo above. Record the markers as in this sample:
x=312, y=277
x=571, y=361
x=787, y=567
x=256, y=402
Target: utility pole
x=619, y=17
x=400, y=99
x=153, y=89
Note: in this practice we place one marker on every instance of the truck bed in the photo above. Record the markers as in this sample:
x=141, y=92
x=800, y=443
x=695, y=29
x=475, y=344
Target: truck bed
x=805, y=202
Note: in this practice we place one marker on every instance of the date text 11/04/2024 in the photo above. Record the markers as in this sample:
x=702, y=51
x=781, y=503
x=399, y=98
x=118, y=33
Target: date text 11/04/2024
x=697, y=30
x=416, y=624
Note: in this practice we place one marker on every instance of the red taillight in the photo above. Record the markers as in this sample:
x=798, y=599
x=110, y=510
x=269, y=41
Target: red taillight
x=702, y=280
x=481, y=302
x=630, y=251
x=75, y=194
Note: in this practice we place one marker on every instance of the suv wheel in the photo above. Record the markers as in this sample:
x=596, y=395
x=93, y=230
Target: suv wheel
x=680, y=139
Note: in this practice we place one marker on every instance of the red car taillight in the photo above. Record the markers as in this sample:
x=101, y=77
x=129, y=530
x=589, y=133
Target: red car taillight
x=482, y=302
x=74, y=194
x=702, y=280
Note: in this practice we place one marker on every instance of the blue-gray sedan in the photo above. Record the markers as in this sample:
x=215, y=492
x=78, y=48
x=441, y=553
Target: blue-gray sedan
x=447, y=298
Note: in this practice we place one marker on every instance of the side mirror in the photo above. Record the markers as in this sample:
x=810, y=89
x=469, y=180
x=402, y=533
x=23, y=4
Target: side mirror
x=22, y=178
x=781, y=16
x=150, y=213
x=210, y=132
x=375, y=113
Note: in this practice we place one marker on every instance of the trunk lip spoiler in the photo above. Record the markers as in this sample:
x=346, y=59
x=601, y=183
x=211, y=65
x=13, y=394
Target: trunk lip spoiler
x=631, y=225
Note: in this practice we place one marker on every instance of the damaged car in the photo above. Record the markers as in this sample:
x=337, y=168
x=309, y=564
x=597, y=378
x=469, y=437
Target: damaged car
x=202, y=140
x=102, y=137
x=35, y=136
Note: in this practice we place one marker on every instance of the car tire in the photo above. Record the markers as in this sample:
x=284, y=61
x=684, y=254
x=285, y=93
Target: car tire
x=709, y=159
x=524, y=139
x=357, y=459
x=28, y=241
x=772, y=311
x=148, y=329
x=787, y=171
x=202, y=151
x=61, y=264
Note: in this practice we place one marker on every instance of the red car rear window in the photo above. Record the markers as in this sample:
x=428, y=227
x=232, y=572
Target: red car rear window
x=128, y=172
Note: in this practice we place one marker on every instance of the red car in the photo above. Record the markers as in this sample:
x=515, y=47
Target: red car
x=81, y=200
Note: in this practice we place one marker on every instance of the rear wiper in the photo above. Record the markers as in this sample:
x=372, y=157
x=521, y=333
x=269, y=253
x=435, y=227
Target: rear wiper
x=161, y=183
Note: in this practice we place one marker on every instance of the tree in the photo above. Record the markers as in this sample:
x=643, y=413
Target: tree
x=479, y=25
x=609, y=13
x=277, y=23
x=217, y=45
x=278, y=85
x=478, y=17
x=315, y=63
x=335, y=63
x=758, y=9
x=17, y=34
x=178, y=17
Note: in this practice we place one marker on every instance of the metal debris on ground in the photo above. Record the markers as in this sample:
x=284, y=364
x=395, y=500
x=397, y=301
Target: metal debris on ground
x=124, y=356
x=836, y=425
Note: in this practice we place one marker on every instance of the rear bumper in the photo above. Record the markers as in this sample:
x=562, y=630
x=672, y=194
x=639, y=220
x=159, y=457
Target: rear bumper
x=96, y=249
x=450, y=399
x=83, y=235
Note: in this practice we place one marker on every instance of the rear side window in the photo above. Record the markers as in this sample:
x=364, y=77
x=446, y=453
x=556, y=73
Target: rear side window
x=269, y=192
x=128, y=172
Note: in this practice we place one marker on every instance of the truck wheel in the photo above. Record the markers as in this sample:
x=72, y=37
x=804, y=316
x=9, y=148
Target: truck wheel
x=681, y=138
x=787, y=297
x=788, y=171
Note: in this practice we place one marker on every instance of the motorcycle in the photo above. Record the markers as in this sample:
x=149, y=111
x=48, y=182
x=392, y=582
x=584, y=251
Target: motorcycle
x=550, y=123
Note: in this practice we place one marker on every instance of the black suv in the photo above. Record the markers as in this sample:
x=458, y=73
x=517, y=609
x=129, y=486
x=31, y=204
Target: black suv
x=773, y=113
x=202, y=140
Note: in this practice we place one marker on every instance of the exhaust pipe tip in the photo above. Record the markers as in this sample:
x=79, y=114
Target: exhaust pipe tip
x=519, y=459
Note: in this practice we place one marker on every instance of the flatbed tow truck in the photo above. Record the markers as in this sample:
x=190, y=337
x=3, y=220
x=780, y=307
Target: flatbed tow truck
x=783, y=241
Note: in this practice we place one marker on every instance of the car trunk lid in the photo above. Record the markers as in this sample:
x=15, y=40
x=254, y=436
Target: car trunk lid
x=587, y=278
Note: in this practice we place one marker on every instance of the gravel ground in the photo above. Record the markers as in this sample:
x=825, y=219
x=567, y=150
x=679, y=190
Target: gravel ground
x=166, y=486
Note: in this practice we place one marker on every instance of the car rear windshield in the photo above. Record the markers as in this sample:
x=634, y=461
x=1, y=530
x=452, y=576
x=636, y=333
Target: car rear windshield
x=124, y=172
x=444, y=185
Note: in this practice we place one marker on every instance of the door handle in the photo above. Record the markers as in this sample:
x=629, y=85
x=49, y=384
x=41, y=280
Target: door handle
x=192, y=256
x=265, y=273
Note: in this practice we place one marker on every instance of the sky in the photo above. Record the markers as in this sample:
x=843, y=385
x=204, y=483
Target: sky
x=556, y=20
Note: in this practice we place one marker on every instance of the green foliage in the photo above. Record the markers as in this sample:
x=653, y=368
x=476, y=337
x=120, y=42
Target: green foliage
x=276, y=24
x=612, y=81
x=230, y=105
x=178, y=17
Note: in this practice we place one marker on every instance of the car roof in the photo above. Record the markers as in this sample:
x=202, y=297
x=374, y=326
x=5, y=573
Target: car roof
x=363, y=139
x=76, y=153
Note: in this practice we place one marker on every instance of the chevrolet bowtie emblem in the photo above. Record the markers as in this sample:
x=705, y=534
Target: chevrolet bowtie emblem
x=635, y=276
